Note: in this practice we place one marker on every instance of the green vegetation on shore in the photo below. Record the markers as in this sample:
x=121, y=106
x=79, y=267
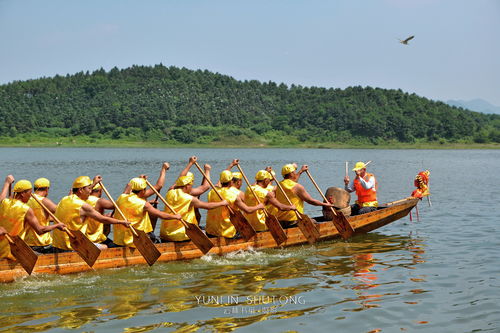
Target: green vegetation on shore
x=160, y=106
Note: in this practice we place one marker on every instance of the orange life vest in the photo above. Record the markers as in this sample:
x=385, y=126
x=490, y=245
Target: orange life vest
x=364, y=195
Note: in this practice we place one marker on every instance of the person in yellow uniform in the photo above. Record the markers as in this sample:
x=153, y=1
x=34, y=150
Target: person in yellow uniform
x=218, y=222
x=15, y=214
x=95, y=229
x=296, y=193
x=73, y=210
x=184, y=204
x=237, y=180
x=261, y=188
x=137, y=211
x=40, y=243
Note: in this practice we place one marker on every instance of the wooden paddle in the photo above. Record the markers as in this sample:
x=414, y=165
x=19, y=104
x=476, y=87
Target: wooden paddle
x=22, y=252
x=192, y=230
x=141, y=240
x=271, y=221
x=79, y=242
x=237, y=219
x=306, y=225
x=343, y=226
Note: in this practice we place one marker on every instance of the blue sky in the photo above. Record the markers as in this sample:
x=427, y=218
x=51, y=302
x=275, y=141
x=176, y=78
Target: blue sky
x=455, y=53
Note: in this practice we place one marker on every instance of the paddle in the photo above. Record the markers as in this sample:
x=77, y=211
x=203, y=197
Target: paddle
x=271, y=221
x=141, y=240
x=306, y=225
x=237, y=219
x=79, y=242
x=343, y=226
x=192, y=230
x=22, y=252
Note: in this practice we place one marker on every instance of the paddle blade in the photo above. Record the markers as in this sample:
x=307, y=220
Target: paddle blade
x=241, y=224
x=275, y=229
x=23, y=253
x=343, y=226
x=84, y=247
x=308, y=228
x=198, y=237
x=146, y=247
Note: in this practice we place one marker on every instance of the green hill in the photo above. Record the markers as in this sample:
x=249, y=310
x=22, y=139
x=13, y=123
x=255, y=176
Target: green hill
x=174, y=105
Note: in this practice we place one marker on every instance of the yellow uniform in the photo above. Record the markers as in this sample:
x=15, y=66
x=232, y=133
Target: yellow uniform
x=68, y=212
x=12, y=214
x=95, y=229
x=287, y=185
x=257, y=219
x=173, y=230
x=133, y=208
x=29, y=235
x=218, y=222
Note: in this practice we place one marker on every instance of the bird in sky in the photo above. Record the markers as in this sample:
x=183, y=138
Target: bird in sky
x=405, y=42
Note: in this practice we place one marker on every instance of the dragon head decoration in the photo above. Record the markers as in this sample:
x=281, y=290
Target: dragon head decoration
x=422, y=184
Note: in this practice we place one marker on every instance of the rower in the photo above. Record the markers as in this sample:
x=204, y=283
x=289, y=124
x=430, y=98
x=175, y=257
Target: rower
x=296, y=193
x=73, y=210
x=40, y=243
x=237, y=180
x=184, y=204
x=261, y=188
x=137, y=211
x=15, y=214
x=218, y=221
x=365, y=184
x=95, y=229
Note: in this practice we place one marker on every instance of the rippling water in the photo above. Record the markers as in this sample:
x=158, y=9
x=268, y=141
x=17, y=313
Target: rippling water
x=439, y=274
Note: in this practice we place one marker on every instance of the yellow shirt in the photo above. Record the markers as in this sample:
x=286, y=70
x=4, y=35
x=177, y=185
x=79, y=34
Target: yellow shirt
x=12, y=214
x=287, y=185
x=68, y=212
x=95, y=229
x=218, y=222
x=257, y=219
x=133, y=208
x=29, y=235
x=173, y=230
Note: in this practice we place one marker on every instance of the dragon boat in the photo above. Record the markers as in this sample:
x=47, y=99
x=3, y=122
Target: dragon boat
x=71, y=262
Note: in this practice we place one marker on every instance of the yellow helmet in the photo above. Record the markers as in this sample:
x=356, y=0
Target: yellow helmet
x=138, y=184
x=226, y=176
x=262, y=174
x=359, y=166
x=22, y=185
x=183, y=181
x=42, y=182
x=287, y=168
x=82, y=181
x=96, y=187
x=190, y=175
x=237, y=175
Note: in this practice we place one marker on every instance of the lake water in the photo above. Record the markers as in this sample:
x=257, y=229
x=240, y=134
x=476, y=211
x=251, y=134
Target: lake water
x=439, y=274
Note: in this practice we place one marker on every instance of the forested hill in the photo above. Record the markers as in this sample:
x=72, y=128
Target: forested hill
x=180, y=105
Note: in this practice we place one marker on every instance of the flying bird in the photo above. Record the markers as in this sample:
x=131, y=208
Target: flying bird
x=405, y=42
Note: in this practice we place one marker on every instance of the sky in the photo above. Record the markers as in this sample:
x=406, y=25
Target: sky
x=455, y=53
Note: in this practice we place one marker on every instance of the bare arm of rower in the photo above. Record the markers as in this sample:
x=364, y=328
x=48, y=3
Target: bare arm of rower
x=247, y=209
x=197, y=203
x=158, y=213
x=32, y=221
x=5, y=190
x=271, y=198
x=88, y=211
x=302, y=193
x=49, y=204
x=160, y=182
x=232, y=164
x=205, y=186
x=103, y=204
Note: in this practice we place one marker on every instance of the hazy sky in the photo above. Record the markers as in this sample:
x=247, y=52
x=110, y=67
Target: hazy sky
x=455, y=53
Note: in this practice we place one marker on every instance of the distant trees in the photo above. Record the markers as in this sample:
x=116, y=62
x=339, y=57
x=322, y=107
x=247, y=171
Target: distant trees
x=180, y=105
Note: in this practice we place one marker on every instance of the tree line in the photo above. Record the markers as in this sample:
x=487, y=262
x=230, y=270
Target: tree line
x=171, y=104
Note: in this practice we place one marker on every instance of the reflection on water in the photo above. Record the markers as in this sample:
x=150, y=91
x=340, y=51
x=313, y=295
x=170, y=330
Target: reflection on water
x=218, y=293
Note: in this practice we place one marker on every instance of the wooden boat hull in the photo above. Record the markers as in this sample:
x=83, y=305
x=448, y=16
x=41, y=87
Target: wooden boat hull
x=70, y=262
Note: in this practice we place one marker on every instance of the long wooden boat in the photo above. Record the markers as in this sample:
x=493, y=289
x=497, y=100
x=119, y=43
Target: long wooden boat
x=70, y=262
